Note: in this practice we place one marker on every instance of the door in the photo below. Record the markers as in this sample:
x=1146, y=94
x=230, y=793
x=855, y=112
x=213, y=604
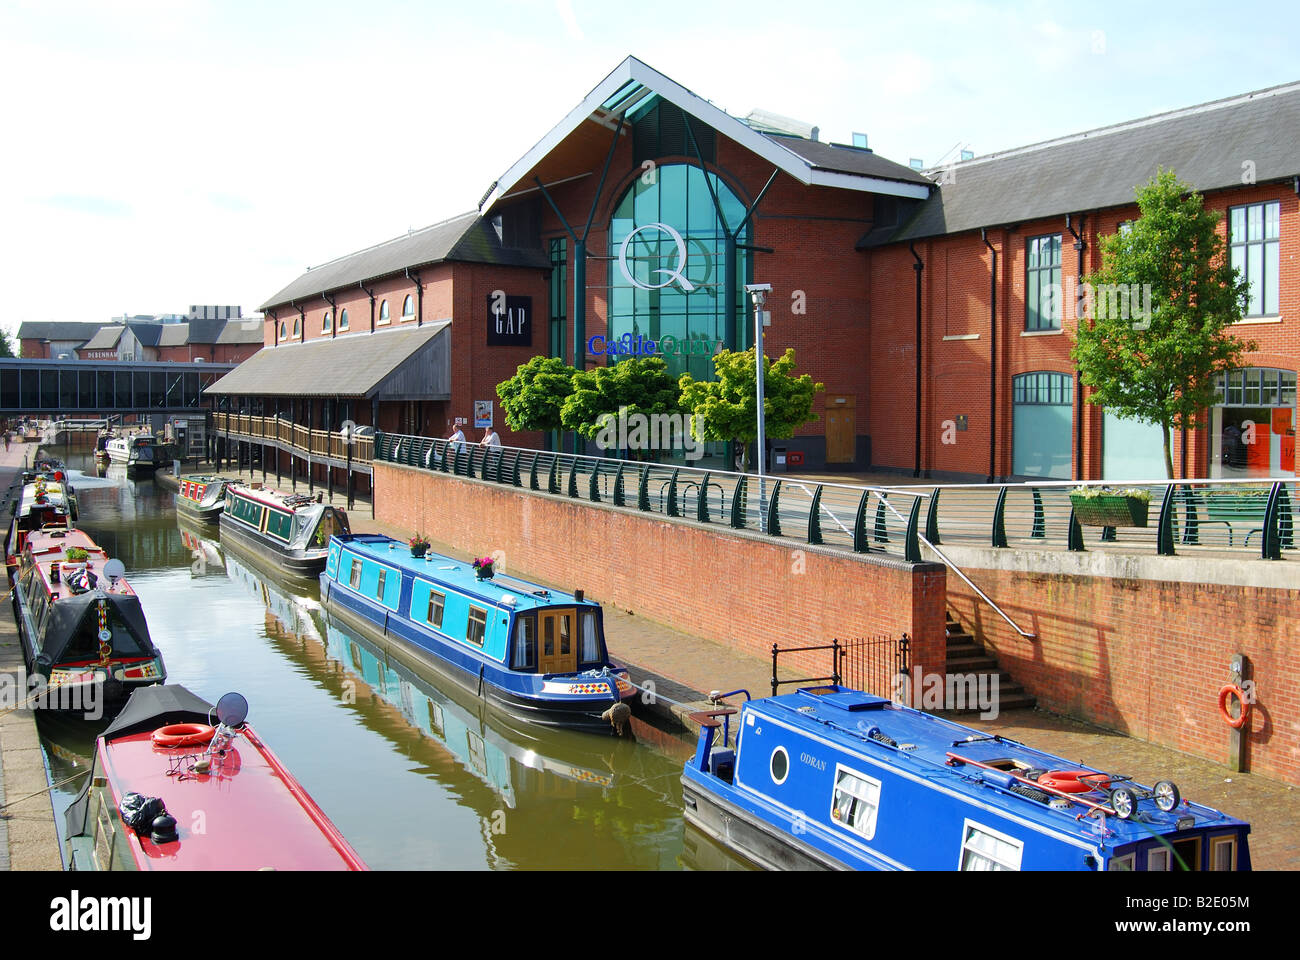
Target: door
x=841, y=428
x=558, y=653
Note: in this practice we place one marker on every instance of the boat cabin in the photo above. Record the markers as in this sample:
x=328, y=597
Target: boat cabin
x=832, y=777
x=294, y=529
x=44, y=503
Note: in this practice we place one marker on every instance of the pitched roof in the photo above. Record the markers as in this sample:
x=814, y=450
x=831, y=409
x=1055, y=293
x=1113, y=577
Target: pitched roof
x=173, y=335
x=105, y=339
x=1205, y=145
x=856, y=161
x=147, y=333
x=352, y=365
x=57, y=330
x=242, y=330
x=466, y=238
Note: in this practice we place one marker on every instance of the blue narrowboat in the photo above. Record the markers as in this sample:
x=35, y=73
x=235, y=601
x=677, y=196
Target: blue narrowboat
x=534, y=653
x=833, y=778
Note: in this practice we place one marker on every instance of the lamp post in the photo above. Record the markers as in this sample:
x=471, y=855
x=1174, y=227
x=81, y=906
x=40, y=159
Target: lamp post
x=758, y=293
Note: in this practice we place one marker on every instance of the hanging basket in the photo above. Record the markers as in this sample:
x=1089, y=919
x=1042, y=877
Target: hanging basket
x=1110, y=511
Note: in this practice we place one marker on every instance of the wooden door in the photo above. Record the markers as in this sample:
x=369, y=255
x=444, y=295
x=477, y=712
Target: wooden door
x=841, y=428
x=558, y=649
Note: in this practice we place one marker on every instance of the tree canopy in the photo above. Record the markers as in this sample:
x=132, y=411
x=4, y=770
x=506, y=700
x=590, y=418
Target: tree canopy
x=727, y=408
x=1161, y=304
x=533, y=398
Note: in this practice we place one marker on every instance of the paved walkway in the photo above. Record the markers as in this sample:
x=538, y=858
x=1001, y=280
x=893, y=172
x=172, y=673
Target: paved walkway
x=686, y=668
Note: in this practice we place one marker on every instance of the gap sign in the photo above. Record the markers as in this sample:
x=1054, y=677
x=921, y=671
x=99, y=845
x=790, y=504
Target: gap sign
x=510, y=321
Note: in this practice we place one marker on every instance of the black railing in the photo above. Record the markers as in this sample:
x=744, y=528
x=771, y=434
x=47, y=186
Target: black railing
x=873, y=666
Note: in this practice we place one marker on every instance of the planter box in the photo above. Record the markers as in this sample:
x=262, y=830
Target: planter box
x=1110, y=511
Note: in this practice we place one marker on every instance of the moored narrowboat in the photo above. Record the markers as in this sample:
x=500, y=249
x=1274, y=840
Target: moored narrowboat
x=81, y=625
x=44, y=502
x=531, y=652
x=169, y=790
x=201, y=498
x=138, y=452
x=289, y=530
x=833, y=778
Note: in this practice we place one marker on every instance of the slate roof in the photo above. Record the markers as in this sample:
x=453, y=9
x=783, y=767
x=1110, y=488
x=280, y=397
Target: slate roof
x=57, y=330
x=352, y=365
x=839, y=158
x=147, y=333
x=106, y=339
x=466, y=238
x=1204, y=145
x=245, y=330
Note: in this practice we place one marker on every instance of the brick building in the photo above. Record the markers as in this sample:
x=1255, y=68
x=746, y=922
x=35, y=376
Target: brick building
x=933, y=307
x=211, y=334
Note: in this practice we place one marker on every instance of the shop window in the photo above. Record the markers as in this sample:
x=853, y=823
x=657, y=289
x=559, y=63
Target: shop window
x=1254, y=246
x=1043, y=283
x=1253, y=423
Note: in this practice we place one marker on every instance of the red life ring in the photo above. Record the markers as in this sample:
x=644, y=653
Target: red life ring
x=1232, y=690
x=183, y=735
x=1074, y=781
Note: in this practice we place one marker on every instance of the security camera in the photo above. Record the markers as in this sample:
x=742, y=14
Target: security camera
x=758, y=288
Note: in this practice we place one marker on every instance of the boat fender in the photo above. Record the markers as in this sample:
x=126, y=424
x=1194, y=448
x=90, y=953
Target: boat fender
x=1243, y=709
x=1069, y=781
x=183, y=735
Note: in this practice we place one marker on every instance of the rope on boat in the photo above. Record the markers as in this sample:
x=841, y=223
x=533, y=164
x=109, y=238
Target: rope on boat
x=52, y=786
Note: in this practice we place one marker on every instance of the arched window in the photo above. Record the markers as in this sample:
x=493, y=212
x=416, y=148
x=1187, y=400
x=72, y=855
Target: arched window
x=383, y=311
x=295, y=326
x=343, y=319
x=408, y=307
x=326, y=323
x=648, y=297
x=284, y=331
x=1042, y=415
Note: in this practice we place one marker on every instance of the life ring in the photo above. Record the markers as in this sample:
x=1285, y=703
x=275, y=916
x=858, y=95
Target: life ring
x=1074, y=781
x=183, y=735
x=1232, y=690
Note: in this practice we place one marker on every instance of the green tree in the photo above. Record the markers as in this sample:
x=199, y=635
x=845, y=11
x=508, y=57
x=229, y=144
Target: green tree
x=639, y=384
x=726, y=408
x=533, y=397
x=6, y=345
x=1161, y=304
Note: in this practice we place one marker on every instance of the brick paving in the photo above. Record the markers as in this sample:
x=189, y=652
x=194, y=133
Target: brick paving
x=686, y=667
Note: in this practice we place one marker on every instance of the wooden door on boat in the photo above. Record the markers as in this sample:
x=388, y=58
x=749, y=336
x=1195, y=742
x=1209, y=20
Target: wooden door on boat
x=559, y=652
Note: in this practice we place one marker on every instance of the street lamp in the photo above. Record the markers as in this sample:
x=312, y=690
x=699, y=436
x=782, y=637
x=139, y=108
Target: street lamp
x=758, y=293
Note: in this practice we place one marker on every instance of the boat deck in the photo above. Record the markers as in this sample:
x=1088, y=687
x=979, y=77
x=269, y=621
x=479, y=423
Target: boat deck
x=49, y=547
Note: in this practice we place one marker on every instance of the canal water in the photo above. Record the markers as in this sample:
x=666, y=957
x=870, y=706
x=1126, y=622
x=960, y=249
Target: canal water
x=417, y=774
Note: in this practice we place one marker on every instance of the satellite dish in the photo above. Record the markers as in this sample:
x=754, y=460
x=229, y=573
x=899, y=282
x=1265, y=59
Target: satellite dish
x=232, y=709
x=114, y=568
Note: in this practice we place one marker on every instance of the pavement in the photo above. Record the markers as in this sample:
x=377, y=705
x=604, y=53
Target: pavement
x=683, y=668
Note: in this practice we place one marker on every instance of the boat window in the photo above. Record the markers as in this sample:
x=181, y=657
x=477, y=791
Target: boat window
x=477, y=626
x=855, y=801
x=379, y=587
x=1223, y=853
x=1158, y=858
x=780, y=765
x=279, y=524
x=565, y=641
x=354, y=579
x=1187, y=854
x=985, y=849
x=590, y=642
x=436, y=603
x=1124, y=863
x=525, y=650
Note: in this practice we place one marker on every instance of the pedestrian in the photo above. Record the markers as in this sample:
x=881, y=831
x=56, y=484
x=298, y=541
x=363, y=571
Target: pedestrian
x=457, y=436
x=490, y=438
x=6, y=441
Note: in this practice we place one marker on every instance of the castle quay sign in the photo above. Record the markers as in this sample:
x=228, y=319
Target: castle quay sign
x=674, y=273
x=639, y=346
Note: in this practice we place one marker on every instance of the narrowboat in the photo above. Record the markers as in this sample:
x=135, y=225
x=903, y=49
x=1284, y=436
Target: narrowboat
x=201, y=498
x=44, y=502
x=138, y=453
x=101, y=447
x=81, y=625
x=170, y=790
x=531, y=652
x=833, y=778
x=291, y=531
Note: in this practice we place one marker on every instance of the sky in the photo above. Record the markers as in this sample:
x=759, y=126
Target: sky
x=162, y=153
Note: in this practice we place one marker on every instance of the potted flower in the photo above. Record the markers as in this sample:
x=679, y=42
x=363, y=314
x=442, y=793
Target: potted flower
x=76, y=554
x=419, y=545
x=1108, y=507
x=483, y=567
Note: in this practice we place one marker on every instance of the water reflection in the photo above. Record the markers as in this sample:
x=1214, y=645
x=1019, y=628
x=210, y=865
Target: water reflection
x=416, y=773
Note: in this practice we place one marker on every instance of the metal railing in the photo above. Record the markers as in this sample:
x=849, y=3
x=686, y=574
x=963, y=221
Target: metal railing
x=873, y=666
x=289, y=435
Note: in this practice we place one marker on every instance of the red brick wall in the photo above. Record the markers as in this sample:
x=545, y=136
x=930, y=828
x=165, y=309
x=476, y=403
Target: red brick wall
x=1148, y=657
x=745, y=591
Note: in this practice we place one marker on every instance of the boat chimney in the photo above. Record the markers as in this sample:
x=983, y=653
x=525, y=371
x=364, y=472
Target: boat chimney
x=577, y=595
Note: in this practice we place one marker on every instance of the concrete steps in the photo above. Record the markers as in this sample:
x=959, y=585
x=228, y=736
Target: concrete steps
x=966, y=655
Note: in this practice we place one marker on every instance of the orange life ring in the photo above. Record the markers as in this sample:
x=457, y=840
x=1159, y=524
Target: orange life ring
x=1074, y=781
x=1232, y=690
x=183, y=735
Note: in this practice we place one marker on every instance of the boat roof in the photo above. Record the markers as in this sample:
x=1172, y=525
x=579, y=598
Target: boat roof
x=255, y=813
x=501, y=589
x=925, y=744
x=272, y=498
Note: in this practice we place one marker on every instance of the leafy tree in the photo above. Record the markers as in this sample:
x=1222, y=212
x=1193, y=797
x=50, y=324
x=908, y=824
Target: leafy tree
x=1162, y=302
x=533, y=397
x=726, y=408
x=7, y=345
x=641, y=384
